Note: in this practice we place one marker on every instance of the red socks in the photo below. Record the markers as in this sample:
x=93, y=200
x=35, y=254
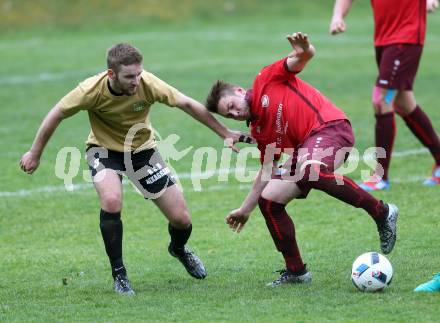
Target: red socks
x=420, y=125
x=344, y=189
x=282, y=230
x=385, y=134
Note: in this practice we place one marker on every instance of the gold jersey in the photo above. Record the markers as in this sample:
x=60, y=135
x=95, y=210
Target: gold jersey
x=112, y=116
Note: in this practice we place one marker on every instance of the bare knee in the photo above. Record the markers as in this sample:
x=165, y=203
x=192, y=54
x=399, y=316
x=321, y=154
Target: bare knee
x=382, y=108
x=404, y=106
x=181, y=220
x=273, y=196
x=266, y=195
x=280, y=191
x=381, y=100
x=111, y=203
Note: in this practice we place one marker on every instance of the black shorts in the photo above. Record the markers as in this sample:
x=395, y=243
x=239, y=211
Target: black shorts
x=145, y=169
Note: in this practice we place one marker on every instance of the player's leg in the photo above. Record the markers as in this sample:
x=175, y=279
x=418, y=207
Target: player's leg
x=108, y=185
x=385, y=133
x=173, y=206
x=385, y=126
x=317, y=172
x=109, y=189
x=272, y=203
x=150, y=174
x=420, y=125
x=398, y=67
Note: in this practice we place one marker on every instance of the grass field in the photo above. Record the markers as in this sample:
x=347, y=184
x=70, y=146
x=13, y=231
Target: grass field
x=48, y=234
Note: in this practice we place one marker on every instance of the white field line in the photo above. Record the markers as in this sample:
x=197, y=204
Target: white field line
x=188, y=175
x=396, y=154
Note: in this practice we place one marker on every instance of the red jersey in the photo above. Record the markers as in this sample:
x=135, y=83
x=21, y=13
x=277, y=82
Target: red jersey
x=399, y=21
x=285, y=109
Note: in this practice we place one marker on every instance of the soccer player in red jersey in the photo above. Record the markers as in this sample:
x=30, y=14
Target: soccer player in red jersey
x=288, y=115
x=399, y=36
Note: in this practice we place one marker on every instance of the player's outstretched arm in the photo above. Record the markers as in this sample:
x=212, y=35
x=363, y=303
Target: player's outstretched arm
x=201, y=114
x=237, y=218
x=303, y=51
x=30, y=161
x=431, y=5
x=340, y=10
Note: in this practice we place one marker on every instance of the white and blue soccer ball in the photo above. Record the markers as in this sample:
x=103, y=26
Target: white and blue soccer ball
x=371, y=272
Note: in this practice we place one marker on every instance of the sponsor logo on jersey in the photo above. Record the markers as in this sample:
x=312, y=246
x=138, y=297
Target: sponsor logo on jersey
x=384, y=82
x=279, y=125
x=265, y=101
x=139, y=106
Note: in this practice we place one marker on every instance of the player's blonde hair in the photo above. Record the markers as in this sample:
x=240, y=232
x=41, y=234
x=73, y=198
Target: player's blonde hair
x=122, y=54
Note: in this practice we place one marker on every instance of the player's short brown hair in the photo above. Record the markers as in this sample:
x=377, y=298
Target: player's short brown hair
x=122, y=54
x=218, y=90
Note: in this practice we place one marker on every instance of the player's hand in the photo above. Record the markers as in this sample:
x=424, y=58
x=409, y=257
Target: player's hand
x=337, y=26
x=237, y=219
x=237, y=136
x=300, y=44
x=431, y=5
x=29, y=162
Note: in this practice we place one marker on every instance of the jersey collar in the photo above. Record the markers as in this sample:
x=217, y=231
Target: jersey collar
x=249, y=99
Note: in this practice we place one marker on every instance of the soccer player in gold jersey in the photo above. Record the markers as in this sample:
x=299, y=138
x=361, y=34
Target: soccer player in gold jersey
x=122, y=141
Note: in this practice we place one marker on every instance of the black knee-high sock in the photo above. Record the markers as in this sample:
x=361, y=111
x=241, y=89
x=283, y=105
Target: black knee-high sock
x=179, y=237
x=111, y=230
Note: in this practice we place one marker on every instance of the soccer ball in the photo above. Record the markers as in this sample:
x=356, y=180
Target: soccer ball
x=371, y=272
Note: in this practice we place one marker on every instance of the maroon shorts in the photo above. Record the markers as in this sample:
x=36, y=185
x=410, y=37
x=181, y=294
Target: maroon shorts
x=329, y=145
x=398, y=65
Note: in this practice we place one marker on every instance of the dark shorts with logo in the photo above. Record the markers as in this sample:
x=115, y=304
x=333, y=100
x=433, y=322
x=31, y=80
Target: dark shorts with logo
x=145, y=169
x=329, y=145
x=398, y=65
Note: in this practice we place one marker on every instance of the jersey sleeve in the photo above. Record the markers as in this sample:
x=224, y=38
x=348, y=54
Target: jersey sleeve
x=277, y=71
x=159, y=90
x=80, y=98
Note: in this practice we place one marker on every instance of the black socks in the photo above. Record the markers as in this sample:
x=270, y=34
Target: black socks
x=179, y=237
x=111, y=230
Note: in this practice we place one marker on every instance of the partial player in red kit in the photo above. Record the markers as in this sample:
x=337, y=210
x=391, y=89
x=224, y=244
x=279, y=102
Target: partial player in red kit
x=399, y=36
x=287, y=115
